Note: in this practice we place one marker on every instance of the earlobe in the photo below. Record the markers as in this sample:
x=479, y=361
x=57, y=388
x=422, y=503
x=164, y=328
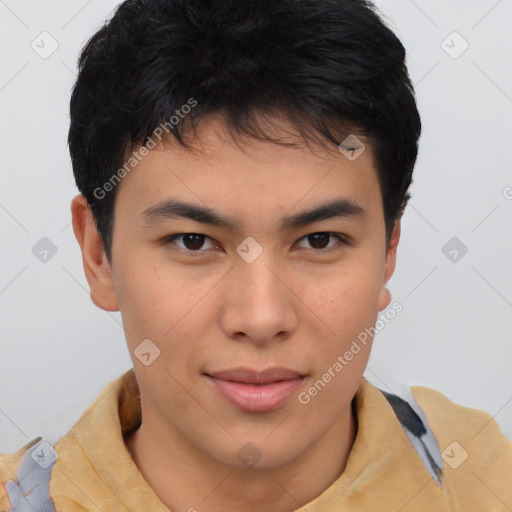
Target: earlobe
x=384, y=299
x=96, y=266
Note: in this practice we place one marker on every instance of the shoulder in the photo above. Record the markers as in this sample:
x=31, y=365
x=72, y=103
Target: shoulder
x=476, y=454
x=448, y=420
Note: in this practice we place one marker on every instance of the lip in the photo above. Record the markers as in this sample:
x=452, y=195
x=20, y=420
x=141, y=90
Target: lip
x=256, y=390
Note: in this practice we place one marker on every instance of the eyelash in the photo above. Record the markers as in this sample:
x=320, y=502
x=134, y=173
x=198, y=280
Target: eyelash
x=343, y=241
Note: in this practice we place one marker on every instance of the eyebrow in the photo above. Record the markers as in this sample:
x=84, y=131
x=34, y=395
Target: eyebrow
x=173, y=208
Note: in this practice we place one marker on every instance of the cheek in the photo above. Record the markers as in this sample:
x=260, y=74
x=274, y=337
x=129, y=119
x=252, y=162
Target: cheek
x=160, y=304
x=141, y=299
x=347, y=301
x=143, y=296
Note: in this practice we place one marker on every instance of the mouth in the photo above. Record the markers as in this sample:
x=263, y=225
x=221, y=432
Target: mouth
x=256, y=391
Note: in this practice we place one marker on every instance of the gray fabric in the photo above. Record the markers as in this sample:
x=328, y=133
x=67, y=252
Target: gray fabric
x=419, y=434
x=31, y=492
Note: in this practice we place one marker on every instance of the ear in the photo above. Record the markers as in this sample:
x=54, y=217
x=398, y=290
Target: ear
x=96, y=266
x=385, y=296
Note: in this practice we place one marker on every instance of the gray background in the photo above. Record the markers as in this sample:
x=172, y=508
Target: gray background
x=58, y=350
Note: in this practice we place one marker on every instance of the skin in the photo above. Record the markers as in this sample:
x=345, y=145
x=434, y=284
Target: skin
x=293, y=307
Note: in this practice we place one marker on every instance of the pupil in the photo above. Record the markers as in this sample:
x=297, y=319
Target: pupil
x=197, y=241
x=314, y=239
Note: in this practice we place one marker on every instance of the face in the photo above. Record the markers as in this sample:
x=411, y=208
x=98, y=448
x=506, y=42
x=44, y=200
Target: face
x=252, y=284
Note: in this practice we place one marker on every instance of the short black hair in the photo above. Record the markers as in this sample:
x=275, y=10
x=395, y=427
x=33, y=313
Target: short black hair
x=329, y=67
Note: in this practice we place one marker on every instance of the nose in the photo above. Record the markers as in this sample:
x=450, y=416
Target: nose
x=259, y=302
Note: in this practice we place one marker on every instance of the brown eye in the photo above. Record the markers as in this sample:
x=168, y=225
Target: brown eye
x=190, y=242
x=193, y=242
x=320, y=242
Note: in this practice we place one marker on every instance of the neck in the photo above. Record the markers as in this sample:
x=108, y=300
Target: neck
x=187, y=479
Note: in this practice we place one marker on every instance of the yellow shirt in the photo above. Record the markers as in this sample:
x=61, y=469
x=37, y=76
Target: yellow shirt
x=94, y=471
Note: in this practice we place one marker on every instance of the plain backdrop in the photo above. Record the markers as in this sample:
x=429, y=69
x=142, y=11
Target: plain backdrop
x=58, y=351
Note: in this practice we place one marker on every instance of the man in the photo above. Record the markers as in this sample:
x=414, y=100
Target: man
x=243, y=169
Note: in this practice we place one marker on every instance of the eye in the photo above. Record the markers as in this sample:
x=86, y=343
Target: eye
x=320, y=241
x=190, y=242
x=195, y=242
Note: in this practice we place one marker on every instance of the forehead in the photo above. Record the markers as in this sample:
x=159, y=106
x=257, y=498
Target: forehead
x=245, y=170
